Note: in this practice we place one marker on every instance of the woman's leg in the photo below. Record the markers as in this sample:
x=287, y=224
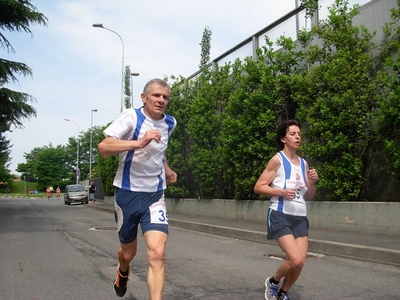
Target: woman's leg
x=296, y=252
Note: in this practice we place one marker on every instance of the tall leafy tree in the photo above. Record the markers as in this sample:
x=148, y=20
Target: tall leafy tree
x=107, y=167
x=61, y=160
x=337, y=98
x=4, y=159
x=127, y=87
x=15, y=15
x=263, y=96
x=84, y=150
x=205, y=48
x=389, y=118
x=28, y=168
x=179, y=147
x=49, y=165
x=205, y=126
x=52, y=167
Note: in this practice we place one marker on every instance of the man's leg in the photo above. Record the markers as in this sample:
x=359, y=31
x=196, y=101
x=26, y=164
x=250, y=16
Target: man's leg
x=126, y=253
x=155, y=243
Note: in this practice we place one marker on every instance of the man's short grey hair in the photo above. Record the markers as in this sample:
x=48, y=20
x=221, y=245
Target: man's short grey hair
x=161, y=82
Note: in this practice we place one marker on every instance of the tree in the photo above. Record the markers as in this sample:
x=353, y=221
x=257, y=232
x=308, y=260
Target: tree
x=389, y=120
x=15, y=15
x=4, y=159
x=84, y=151
x=326, y=79
x=336, y=99
x=205, y=48
x=57, y=165
x=52, y=167
x=127, y=87
x=107, y=167
x=49, y=165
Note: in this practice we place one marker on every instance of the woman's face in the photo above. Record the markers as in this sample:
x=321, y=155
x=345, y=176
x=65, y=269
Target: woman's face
x=293, y=137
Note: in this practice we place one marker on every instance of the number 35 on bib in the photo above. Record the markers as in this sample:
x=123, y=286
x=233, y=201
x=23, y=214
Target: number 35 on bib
x=158, y=213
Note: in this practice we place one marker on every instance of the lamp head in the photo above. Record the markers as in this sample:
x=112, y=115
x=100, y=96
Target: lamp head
x=135, y=74
x=98, y=25
x=95, y=110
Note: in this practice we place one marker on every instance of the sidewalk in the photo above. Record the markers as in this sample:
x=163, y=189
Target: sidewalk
x=370, y=247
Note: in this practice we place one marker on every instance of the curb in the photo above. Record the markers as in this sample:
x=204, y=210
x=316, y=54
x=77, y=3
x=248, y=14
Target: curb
x=371, y=254
x=352, y=251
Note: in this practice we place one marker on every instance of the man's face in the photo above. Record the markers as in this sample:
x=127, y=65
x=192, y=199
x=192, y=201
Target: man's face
x=156, y=101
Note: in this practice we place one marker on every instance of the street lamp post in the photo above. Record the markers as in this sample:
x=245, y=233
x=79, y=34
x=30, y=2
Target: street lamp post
x=99, y=25
x=132, y=75
x=77, y=152
x=90, y=150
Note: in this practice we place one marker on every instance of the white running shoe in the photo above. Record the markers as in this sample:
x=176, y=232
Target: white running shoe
x=271, y=290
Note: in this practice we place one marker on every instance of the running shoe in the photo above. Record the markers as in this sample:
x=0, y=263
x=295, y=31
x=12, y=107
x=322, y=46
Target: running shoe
x=120, y=283
x=271, y=290
x=284, y=296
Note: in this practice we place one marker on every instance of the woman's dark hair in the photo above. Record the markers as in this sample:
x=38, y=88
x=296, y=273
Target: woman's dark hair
x=282, y=130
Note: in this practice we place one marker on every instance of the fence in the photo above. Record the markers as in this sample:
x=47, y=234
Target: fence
x=373, y=14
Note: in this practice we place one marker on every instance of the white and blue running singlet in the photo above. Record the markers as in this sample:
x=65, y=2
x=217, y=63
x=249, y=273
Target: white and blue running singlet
x=290, y=176
x=141, y=170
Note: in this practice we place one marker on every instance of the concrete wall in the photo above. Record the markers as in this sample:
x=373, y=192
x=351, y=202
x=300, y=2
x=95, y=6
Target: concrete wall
x=109, y=200
x=370, y=217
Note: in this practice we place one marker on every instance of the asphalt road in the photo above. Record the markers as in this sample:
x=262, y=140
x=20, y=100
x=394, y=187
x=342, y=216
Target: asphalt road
x=53, y=251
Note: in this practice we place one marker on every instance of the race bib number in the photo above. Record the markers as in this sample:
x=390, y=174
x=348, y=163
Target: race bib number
x=295, y=184
x=158, y=213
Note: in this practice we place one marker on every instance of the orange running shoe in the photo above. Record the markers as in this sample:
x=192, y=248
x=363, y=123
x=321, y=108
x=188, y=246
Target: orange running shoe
x=120, y=283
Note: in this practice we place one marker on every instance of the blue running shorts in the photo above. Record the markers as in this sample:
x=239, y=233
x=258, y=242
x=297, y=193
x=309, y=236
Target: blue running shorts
x=280, y=224
x=134, y=208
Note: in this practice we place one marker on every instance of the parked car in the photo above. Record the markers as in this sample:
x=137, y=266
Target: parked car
x=75, y=193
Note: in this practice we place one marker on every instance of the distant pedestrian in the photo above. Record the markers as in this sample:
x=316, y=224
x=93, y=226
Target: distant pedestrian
x=8, y=190
x=58, y=191
x=92, y=192
x=288, y=181
x=48, y=192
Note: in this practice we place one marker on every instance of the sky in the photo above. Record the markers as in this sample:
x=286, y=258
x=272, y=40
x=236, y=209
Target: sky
x=77, y=67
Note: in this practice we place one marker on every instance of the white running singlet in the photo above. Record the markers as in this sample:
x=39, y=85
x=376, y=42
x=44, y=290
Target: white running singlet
x=141, y=170
x=290, y=176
